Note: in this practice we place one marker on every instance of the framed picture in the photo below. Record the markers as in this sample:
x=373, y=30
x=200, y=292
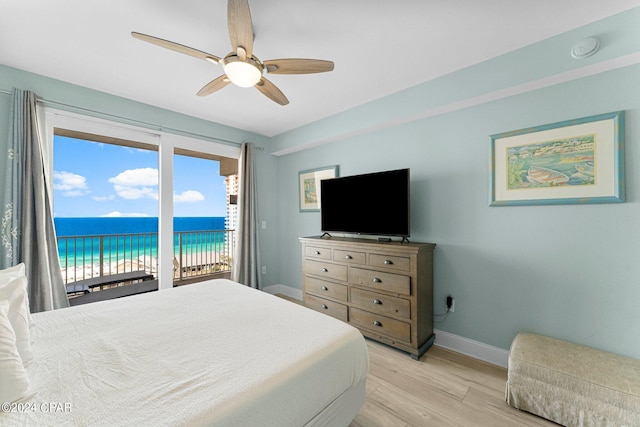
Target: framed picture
x=576, y=161
x=309, y=186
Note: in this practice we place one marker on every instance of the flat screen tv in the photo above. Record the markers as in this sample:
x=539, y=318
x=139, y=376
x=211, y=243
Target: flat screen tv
x=373, y=203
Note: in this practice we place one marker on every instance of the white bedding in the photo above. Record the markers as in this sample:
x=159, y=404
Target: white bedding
x=213, y=353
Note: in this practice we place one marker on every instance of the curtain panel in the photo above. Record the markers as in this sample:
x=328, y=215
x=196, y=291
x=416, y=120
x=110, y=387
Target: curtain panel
x=29, y=234
x=11, y=164
x=246, y=262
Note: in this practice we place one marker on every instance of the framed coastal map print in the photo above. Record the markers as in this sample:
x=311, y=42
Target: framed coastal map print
x=571, y=162
x=309, y=186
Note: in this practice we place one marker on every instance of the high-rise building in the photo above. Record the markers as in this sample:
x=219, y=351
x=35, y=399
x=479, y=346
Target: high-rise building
x=231, y=221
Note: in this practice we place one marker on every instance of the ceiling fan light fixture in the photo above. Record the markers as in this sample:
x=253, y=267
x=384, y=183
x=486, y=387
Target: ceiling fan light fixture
x=242, y=73
x=241, y=67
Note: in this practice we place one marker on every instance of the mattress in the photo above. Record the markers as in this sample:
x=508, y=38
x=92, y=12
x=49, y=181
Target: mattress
x=214, y=353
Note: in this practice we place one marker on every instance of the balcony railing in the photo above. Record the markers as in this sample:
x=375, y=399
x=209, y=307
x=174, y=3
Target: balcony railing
x=196, y=253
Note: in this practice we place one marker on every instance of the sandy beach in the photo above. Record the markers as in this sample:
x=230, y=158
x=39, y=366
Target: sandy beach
x=190, y=263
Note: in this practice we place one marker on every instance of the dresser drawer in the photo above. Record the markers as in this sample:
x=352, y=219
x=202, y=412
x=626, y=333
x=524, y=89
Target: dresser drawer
x=328, y=289
x=381, y=304
x=350, y=257
x=399, y=263
x=333, y=309
x=325, y=269
x=380, y=324
x=389, y=282
x=317, y=252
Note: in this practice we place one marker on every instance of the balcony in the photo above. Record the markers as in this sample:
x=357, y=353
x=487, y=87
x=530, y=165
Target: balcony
x=198, y=255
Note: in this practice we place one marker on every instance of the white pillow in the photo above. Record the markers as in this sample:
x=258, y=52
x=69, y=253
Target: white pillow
x=17, y=271
x=14, y=383
x=13, y=291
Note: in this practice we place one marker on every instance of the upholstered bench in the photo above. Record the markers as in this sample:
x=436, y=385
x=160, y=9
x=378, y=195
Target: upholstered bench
x=571, y=384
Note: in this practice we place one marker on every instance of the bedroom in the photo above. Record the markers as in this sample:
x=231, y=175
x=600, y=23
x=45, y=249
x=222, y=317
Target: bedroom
x=569, y=271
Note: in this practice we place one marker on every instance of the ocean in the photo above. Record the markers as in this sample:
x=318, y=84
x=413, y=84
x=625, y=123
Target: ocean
x=132, y=238
x=101, y=226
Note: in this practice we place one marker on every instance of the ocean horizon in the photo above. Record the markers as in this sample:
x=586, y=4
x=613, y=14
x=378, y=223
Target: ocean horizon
x=128, y=238
x=97, y=226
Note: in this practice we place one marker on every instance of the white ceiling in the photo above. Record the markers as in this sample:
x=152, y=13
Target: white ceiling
x=379, y=47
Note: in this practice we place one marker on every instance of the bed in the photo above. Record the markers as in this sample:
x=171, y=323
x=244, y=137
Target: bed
x=215, y=353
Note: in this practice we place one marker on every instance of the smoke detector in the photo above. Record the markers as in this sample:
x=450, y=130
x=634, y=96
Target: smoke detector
x=585, y=48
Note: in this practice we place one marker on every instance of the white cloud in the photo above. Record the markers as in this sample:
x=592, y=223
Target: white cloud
x=190, y=196
x=132, y=193
x=142, y=183
x=136, y=177
x=117, y=214
x=70, y=184
x=136, y=183
x=75, y=193
x=103, y=198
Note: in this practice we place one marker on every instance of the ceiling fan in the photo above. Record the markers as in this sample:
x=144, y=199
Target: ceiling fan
x=241, y=67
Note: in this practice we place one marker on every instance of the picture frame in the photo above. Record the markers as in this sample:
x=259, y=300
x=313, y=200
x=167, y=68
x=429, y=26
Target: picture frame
x=309, y=186
x=571, y=162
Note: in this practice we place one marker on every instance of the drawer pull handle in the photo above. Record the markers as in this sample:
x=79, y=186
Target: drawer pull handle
x=376, y=323
x=324, y=288
x=325, y=306
x=317, y=252
x=376, y=280
x=324, y=270
x=377, y=301
x=388, y=262
x=348, y=257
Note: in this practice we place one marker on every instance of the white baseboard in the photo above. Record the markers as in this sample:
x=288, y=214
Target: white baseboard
x=475, y=349
x=284, y=290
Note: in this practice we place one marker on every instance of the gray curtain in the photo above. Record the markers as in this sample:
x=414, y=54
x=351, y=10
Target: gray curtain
x=246, y=262
x=11, y=164
x=31, y=212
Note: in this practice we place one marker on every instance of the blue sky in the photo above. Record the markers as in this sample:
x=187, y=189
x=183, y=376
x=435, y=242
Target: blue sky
x=93, y=179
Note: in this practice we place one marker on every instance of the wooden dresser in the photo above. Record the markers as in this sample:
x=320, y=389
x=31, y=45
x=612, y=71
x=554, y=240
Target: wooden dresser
x=385, y=289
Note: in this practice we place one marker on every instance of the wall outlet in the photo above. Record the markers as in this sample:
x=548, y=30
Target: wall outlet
x=451, y=304
x=264, y=269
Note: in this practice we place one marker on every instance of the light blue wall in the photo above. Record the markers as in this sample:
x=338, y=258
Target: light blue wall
x=567, y=271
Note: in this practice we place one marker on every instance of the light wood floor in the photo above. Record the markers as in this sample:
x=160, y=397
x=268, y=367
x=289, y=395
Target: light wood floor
x=443, y=388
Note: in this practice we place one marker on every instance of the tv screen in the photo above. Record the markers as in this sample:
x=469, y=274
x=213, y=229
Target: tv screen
x=374, y=203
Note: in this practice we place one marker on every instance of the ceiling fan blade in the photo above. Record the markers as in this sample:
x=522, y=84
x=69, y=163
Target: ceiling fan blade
x=298, y=66
x=175, y=46
x=240, y=26
x=271, y=91
x=214, y=85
